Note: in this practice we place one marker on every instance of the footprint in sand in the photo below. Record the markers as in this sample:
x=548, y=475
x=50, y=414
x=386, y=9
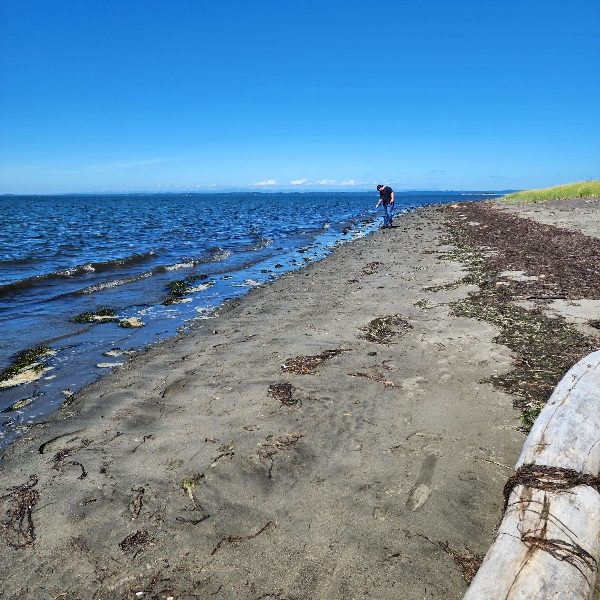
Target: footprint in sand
x=418, y=442
x=419, y=496
x=422, y=488
x=412, y=384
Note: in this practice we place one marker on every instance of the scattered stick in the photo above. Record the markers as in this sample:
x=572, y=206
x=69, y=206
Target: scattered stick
x=226, y=450
x=192, y=521
x=146, y=437
x=276, y=444
x=235, y=540
x=467, y=561
x=136, y=503
x=493, y=462
x=65, y=452
x=377, y=377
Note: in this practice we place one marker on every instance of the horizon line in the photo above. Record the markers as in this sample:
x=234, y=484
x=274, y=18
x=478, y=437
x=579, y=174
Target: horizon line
x=262, y=191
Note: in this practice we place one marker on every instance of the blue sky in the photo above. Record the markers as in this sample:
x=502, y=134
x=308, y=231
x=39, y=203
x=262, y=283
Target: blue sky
x=103, y=95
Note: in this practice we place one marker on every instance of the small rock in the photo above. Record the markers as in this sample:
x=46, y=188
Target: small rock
x=131, y=322
x=112, y=353
x=18, y=405
x=118, y=352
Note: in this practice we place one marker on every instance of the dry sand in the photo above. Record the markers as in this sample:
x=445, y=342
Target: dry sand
x=180, y=476
x=579, y=215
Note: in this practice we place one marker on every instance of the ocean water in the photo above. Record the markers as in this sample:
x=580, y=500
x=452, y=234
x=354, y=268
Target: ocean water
x=65, y=255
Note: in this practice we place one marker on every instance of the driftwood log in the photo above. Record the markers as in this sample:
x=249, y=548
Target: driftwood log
x=548, y=543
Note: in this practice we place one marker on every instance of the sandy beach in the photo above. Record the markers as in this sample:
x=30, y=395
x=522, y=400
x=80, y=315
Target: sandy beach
x=334, y=434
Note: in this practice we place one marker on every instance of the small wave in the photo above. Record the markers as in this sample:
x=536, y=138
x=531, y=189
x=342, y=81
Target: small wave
x=75, y=271
x=183, y=265
x=222, y=255
x=134, y=259
x=114, y=283
x=18, y=261
x=261, y=244
x=215, y=255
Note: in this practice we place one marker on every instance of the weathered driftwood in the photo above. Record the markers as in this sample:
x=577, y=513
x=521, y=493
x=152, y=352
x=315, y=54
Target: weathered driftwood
x=548, y=543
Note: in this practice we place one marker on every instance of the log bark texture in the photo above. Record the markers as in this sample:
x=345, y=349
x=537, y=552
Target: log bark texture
x=548, y=544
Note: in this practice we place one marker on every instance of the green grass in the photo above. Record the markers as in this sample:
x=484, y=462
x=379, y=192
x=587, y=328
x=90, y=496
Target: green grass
x=582, y=189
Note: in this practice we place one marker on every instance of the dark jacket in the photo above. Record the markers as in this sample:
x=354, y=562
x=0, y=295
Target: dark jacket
x=385, y=194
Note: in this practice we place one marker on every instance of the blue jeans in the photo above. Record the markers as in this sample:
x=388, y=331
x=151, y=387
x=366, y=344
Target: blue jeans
x=388, y=211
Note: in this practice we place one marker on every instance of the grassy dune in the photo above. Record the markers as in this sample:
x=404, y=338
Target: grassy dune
x=582, y=189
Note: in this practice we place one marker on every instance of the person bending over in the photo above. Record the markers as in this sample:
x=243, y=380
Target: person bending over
x=386, y=199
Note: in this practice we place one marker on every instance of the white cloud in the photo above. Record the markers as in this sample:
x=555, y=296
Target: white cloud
x=348, y=182
x=266, y=182
x=298, y=181
x=327, y=182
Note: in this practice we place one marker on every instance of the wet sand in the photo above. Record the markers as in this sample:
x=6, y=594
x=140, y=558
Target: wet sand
x=214, y=465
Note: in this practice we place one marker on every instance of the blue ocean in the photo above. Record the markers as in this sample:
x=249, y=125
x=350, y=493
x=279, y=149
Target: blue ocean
x=167, y=260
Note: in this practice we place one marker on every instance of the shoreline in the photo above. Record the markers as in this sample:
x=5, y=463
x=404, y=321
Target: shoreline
x=61, y=372
x=162, y=295
x=217, y=463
